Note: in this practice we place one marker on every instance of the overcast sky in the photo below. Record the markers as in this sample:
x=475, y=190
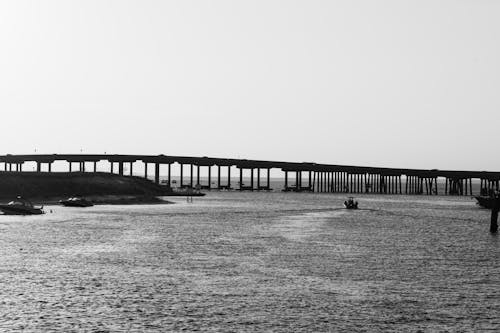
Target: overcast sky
x=378, y=83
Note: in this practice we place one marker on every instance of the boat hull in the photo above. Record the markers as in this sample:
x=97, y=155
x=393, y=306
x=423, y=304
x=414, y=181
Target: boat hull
x=76, y=204
x=12, y=210
x=486, y=202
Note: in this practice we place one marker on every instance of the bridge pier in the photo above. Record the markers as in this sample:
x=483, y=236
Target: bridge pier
x=157, y=173
x=494, y=216
x=169, y=174
x=181, y=180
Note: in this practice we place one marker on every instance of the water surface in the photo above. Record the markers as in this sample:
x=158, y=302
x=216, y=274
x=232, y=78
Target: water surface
x=253, y=262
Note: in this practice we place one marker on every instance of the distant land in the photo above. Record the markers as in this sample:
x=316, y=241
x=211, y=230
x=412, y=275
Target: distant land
x=45, y=186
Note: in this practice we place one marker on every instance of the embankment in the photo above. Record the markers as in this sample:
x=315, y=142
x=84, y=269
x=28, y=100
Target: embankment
x=43, y=185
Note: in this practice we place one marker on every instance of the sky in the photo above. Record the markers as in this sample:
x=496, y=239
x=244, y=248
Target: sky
x=404, y=84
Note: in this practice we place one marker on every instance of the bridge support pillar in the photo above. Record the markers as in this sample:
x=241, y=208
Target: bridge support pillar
x=120, y=168
x=241, y=179
x=157, y=173
x=191, y=176
x=131, y=168
x=198, y=175
x=218, y=177
x=228, y=177
x=209, y=177
x=494, y=216
x=182, y=176
x=258, y=179
x=146, y=170
x=169, y=174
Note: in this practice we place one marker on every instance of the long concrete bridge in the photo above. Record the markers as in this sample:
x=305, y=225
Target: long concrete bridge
x=312, y=177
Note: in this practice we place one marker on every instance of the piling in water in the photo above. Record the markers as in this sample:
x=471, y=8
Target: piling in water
x=494, y=216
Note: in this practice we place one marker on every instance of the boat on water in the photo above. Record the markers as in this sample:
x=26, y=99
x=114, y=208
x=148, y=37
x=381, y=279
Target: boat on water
x=350, y=203
x=76, y=202
x=20, y=206
x=486, y=201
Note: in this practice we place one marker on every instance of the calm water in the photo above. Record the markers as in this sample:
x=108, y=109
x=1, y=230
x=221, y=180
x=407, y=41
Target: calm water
x=253, y=262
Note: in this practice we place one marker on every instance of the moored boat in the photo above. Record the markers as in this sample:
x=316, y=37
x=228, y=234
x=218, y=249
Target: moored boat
x=350, y=203
x=21, y=206
x=486, y=201
x=76, y=202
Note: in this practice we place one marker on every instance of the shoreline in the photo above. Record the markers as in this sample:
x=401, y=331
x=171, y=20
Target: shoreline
x=111, y=199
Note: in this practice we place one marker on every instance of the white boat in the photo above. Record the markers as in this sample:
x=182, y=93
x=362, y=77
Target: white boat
x=21, y=206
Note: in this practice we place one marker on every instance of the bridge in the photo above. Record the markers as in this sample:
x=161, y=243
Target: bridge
x=307, y=176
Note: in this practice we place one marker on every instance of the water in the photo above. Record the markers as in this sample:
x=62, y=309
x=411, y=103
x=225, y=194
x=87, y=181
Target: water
x=252, y=262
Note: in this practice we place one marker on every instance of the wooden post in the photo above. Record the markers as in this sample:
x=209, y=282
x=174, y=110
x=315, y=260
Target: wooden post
x=494, y=216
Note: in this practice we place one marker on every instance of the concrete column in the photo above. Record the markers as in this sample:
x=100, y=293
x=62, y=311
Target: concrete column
x=131, y=168
x=191, y=176
x=251, y=178
x=70, y=167
x=258, y=178
x=146, y=170
x=286, y=180
x=241, y=178
x=228, y=176
x=218, y=176
x=198, y=175
x=38, y=167
x=169, y=175
x=112, y=166
x=120, y=168
x=209, y=177
x=50, y=167
x=182, y=175
x=297, y=181
x=494, y=216
x=157, y=173
x=268, y=178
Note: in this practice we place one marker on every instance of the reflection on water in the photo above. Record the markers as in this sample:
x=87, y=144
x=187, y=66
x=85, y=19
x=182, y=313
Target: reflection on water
x=253, y=262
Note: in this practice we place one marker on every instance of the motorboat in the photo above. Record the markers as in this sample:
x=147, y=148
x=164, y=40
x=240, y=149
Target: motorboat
x=20, y=206
x=76, y=202
x=487, y=201
x=350, y=203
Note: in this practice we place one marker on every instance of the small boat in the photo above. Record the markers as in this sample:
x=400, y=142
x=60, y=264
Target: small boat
x=21, y=206
x=486, y=201
x=350, y=203
x=76, y=202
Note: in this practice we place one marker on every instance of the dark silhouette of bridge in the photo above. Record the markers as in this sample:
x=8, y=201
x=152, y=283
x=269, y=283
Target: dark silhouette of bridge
x=312, y=177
